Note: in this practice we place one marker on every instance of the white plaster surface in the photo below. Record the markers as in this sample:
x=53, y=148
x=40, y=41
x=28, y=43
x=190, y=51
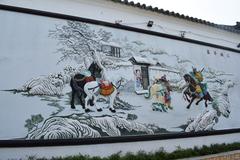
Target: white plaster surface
x=110, y=12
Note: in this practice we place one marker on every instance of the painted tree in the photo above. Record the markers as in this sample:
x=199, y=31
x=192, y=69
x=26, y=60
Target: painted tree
x=80, y=42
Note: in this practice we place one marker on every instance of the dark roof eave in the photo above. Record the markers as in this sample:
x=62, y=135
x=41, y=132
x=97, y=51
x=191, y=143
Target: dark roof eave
x=178, y=15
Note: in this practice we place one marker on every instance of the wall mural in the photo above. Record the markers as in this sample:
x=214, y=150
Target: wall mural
x=65, y=79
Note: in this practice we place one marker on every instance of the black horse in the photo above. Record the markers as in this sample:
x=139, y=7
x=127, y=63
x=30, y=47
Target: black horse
x=190, y=92
x=77, y=84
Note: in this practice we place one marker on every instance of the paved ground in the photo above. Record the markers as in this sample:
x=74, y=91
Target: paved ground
x=233, y=155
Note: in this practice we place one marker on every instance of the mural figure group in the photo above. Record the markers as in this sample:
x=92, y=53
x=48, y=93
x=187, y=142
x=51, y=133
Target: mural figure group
x=160, y=92
x=85, y=86
x=195, y=89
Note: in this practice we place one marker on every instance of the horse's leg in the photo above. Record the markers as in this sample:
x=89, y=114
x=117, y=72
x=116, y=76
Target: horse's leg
x=86, y=104
x=208, y=97
x=91, y=101
x=87, y=98
x=82, y=97
x=186, y=96
x=111, y=101
x=199, y=100
x=99, y=109
x=188, y=106
x=72, y=99
x=206, y=105
x=90, y=88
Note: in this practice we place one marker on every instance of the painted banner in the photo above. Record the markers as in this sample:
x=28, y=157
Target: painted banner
x=63, y=79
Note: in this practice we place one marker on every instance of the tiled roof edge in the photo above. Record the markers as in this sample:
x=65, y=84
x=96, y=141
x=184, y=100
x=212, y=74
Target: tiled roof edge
x=235, y=29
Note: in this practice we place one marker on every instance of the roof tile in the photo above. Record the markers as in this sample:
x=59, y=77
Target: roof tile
x=235, y=29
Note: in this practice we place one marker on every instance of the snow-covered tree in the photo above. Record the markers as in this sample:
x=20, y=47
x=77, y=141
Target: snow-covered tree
x=80, y=42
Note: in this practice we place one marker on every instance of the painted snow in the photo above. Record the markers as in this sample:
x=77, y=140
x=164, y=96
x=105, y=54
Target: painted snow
x=40, y=57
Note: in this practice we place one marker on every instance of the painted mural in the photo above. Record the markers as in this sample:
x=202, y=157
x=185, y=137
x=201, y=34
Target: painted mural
x=65, y=79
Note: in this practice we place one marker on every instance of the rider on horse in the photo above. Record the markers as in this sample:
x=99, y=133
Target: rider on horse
x=201, y=88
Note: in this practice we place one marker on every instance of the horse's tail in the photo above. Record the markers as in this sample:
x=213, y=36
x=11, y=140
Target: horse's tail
x=184, y=92
x=148, y=95
x=209, y=97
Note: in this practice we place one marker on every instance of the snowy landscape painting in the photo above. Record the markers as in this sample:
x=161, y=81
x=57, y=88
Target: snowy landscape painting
x=63, y=79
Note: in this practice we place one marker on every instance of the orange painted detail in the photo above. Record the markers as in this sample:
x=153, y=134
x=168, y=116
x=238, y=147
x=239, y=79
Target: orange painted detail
x=106, y=88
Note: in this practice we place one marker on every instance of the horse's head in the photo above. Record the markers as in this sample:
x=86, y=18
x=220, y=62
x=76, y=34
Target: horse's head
x=189, y=79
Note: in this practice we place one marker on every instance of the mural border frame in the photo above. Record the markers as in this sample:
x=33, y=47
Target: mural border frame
x=107, y=140
x=121, y=139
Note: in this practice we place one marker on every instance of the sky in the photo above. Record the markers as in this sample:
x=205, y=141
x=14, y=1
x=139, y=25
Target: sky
x=217, y=11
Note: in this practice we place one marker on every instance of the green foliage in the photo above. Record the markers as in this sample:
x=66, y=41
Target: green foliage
x=161, y=154
x=33, y=121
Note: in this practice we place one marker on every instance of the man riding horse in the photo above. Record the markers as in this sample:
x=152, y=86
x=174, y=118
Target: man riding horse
x=196, y=89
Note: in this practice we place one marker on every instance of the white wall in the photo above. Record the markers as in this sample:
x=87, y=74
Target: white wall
x=108, y=11
x=135, y=17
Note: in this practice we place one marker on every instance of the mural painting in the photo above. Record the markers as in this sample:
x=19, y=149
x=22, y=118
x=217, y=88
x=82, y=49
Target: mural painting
x=69, y=79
